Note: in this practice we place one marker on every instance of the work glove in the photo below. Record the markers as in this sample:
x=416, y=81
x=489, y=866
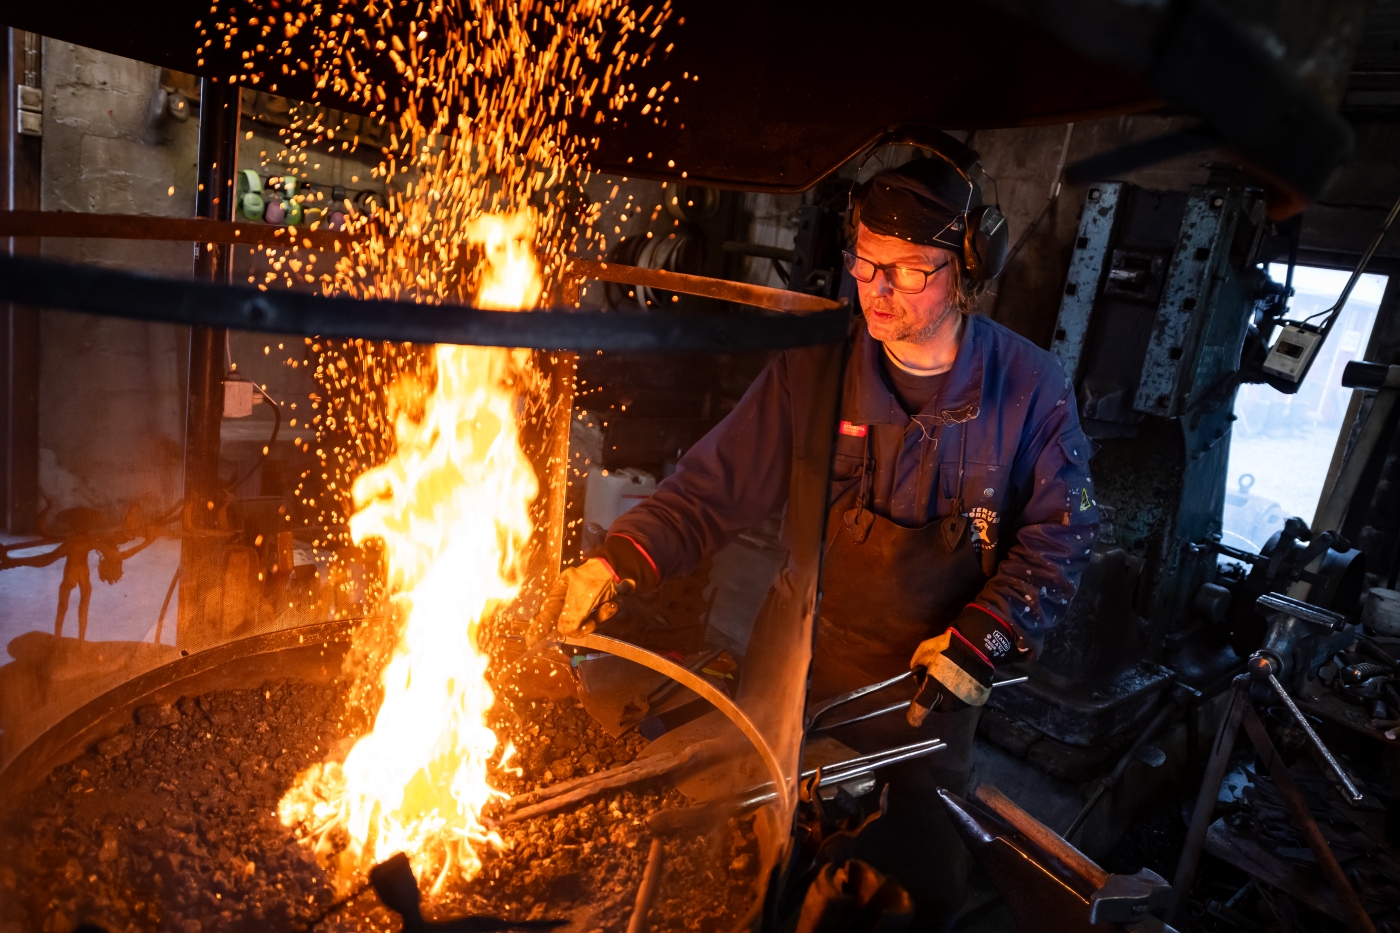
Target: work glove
x=586, y=595
x=955, y=668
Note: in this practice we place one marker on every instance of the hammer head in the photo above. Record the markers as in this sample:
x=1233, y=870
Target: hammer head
x=1129, y=898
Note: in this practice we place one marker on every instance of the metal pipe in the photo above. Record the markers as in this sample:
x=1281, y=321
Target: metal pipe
x=200, y=548
x=1358, y=920
x=1355, y=794
x=760, y=296
x=1216, y=766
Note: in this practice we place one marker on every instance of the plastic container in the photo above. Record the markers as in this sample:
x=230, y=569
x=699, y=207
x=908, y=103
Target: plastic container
x=612, y=492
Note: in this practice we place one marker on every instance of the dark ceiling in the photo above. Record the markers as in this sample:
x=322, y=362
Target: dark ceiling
x=787, y=91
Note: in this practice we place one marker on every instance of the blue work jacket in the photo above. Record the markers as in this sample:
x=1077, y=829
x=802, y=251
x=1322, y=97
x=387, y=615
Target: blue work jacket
x=1001, y=441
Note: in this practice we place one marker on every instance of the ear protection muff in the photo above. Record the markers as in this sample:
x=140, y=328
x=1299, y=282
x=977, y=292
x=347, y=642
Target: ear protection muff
x=986, y=241
x=986, y=235
x=251, y=204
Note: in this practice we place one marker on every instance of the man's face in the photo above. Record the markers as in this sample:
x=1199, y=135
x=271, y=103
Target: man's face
x=895, y=316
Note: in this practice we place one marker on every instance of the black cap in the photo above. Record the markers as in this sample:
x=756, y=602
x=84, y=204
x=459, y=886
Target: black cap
x=924, y=201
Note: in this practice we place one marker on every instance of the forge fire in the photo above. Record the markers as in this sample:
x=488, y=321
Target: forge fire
x=699, y=465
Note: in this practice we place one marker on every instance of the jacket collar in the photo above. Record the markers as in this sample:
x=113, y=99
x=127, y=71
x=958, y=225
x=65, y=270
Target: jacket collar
x=869, y=402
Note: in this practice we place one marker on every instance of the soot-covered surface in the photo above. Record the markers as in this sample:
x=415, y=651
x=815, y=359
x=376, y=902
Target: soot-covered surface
x=171, y=824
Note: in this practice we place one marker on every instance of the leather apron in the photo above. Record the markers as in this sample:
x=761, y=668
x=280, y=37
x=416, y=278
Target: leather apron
x=885, y=588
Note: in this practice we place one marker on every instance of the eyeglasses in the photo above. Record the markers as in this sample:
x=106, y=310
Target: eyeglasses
x=901, y=278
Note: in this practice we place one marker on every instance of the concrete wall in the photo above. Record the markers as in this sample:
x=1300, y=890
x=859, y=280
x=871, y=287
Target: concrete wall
x=111, y=397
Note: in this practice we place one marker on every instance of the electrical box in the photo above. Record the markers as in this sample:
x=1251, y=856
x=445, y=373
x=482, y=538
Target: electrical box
x=31, y=111
x=1292, y=353
x=238, y=398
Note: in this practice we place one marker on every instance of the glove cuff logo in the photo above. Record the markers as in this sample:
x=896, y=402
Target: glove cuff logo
x=997, y=644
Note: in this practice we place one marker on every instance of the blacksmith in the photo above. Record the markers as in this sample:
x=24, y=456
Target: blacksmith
x=961, y=511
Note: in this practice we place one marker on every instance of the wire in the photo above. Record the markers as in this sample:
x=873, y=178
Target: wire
x=1056, y=186
x=276, y=418
x=267, y=448
x=1335, y=311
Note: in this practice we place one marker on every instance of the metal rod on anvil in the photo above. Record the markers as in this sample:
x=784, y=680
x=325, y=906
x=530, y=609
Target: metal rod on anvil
x=760, y=296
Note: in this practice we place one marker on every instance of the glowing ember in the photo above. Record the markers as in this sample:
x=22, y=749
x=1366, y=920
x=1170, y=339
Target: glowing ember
x=452, y=509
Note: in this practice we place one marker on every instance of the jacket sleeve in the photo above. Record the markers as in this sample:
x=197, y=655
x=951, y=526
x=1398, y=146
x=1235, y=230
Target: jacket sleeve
x=1057, y=521
x=734, y=477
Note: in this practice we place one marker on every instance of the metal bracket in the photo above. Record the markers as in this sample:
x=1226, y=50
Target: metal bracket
x=1206, y=228
x=1085, y=272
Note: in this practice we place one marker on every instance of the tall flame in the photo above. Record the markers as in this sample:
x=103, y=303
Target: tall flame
x=451, y=507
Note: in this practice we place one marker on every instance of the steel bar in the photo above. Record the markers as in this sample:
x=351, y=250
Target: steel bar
x=1216, y=766
x=1356, y=795
x=558, y=796
x=882, y=711
x=706, y=690
x=651, y=883
x=1307, y=612
x=116, y=293
x=761, y=296
x=842, y=771
x=892, y=757
x=202, y=229
x=818, y=709
x=842, y=698
x=1358, y=920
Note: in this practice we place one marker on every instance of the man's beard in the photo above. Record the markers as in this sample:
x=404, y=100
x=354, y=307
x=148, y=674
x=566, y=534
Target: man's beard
x=906, y=332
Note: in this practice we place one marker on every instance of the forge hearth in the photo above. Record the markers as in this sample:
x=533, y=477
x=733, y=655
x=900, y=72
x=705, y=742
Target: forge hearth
x=170, y=823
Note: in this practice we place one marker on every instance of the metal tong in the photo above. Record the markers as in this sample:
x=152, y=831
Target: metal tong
x=817, y=710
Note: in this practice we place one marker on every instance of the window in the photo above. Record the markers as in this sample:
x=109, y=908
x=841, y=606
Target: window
x=1281, y=444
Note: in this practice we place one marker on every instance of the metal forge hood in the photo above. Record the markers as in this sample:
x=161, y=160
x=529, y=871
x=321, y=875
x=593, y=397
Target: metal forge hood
x=786, y=91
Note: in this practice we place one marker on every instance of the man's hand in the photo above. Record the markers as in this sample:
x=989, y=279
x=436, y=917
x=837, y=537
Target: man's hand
x=955, y=674
x=582, y=597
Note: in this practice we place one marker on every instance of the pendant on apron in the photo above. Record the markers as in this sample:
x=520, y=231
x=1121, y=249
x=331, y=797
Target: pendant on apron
x=859, y=520
x=953, y=527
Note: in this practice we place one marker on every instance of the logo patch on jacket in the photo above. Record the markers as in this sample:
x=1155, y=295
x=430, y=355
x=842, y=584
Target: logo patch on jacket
x=982, y=520
x=1085, y=503
x=853, y=430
